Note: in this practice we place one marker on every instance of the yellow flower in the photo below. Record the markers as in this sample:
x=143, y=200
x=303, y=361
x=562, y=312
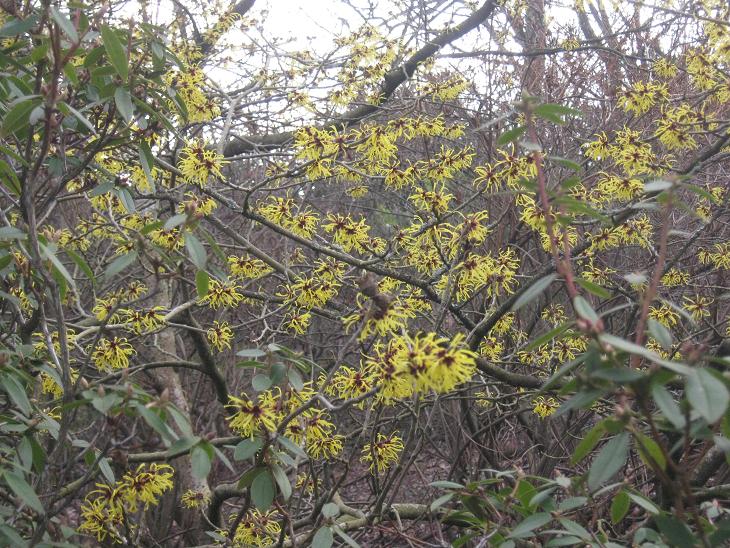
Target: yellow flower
x=348, y=383
x=298, y=321
x=194, y=499
x=698, y=306
x=664, y=315
x=146, y=484
x=347, y=232
x=664, y=69
x=112, y=354
x=324, y=448
x=250, y=417
x=675, y=277
x=598, y=149
x=544, y=407
x=247, y=267
x=220, y=335
x=222, y=294
x=256, y=529
x=98, y=520
x=641, y=97
x=144, y=320
x=198, y=163
x=383, y=453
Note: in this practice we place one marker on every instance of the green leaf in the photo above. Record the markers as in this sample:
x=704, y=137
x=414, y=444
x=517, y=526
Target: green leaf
x=584, y=309
x=330, y=510
x=175, y=220
x=50, y=255
x=19, y=116
x=661, y=334
x=439, y=502
x=263, y=491
x=123, y=100
x=200, y=461
x=529, y=524
x=707, y=395
x=261, y=382
x=553, y=112
x=587, y=444
x=619, y=506
x=511, y=135
x=17, y=393
x=657, y=186
x=154, y=420
x=282, y=481
x=645, y=503
x=251, y=353
x=147, y=160
x=102, y=188
x=575, y=529
x=82, y=264
x=609, y=461
x=323, y=538
x=21, y=488
x=127, y=201
x=202, y=283
x=290, y=446
x=116, y=51
x=119, y=264
x=649, y=451
x=65, y=23
x=631, y=348
x=12, y=233
x=446, y=485
x=295, y=379
x=182, y=445
x=344, y=536
x=534, y=291
x=570, y=164
x=69, y=110
x=675, y=531
x=196, y=251
x=591, y=287
x=14, y=27
x=668, y=406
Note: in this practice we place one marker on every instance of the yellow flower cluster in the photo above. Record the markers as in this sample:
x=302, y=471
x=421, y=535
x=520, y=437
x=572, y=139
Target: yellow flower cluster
x=665, y=315
x=142, y=321
x=194, y=499
x=189, y=84
x=508, y=171
x=222, y=294
x=198, y=163
x=310, y=428
x=380, y=320
x=675, y=128
x=719, y=256
x=348, y=233
x=220, y=335
x=642, y=96
x=256, y=529
x=698, y=306
x=675, y=277
x=107, y=509
x=246, y=267
x=112, y=354
x=383, y=452
x=664, y=68
x=419, y=364
x=700, y=68
x=476, y=272
x=544, y=407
